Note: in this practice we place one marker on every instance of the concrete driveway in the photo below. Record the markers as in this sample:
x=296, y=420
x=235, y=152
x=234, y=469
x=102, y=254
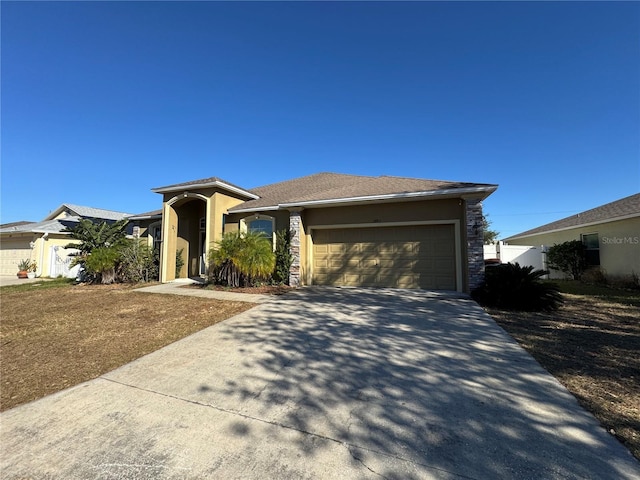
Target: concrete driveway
x=321, y=383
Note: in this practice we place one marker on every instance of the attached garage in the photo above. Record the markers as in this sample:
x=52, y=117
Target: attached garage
x=415, y=256
x=12, y=250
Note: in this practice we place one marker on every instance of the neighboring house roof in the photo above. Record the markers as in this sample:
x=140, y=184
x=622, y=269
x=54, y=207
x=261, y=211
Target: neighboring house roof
x=146, y=215
x=627, y=207
x=51, y=224
x=45, y=226
x=203, y=183
x=86, y=212
x=14, y=224
x=328, y=188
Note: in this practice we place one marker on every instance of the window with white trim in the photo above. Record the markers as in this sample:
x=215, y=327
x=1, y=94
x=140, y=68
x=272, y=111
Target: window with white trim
x=260, y=223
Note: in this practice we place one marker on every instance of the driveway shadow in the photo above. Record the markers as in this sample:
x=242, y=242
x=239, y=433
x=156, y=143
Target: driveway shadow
x=424, y=377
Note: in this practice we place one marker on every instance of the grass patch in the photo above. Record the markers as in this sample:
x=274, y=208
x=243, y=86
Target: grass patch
x=591, y=346
x=38, y=285
x=55, y=335
x=603, y=292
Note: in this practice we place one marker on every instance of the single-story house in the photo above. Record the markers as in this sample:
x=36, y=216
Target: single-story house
x=611, y=234
x=44, y=242
x=348, y=230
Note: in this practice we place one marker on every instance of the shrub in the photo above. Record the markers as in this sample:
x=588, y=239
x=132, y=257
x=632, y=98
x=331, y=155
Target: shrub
x=241, y=259
x=568, y=257
x=179, y=262
x=138, y=263
x=512, y=287
x=101, y=264
x=284, y=259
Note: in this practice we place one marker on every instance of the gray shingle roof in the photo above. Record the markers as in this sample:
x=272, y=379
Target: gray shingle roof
x=334, y=186
x=146, y=215
x=87, y=212
x=45, y=226
x=623, y=208
x=53, y=225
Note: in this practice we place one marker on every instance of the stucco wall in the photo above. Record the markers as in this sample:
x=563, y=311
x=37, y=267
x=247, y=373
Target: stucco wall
x=384, y=212
x=619, y=244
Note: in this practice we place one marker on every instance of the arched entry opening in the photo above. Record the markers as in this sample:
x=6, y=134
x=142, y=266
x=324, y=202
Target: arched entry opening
x=185, y=239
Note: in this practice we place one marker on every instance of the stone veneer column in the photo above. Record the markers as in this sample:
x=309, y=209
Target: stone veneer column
x=294, y=226
x=475, y=242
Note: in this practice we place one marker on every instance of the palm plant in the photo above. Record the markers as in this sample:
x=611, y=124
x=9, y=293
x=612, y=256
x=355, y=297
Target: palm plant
x=513, y=287
x=102, y=262
x=240, y=259
x=100, y=237
x=97, y=235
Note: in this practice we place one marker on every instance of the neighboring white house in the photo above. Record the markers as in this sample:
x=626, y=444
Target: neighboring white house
x=610, y=232
x=44, y=242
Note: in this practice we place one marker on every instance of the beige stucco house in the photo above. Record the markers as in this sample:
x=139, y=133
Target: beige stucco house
x=610, y=232
x=347, y=230
x=44, y=242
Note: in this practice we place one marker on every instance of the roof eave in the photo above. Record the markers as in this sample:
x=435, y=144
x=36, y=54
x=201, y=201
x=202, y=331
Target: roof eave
x=144, y=217
x=222, y=185
x=484, y=192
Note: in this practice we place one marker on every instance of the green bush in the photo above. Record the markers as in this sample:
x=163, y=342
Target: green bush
x=512, y=287
x=241, y=259
x=179, y=262
x=284, y=259
x=101, y=264
x=138, y=262
x=568, y=257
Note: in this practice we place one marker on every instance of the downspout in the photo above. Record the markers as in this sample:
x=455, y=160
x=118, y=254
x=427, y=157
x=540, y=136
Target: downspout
x=40, y=262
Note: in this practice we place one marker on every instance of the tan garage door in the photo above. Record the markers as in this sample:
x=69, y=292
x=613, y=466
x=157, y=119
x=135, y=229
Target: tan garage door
x=398, y=257
x=11, y=252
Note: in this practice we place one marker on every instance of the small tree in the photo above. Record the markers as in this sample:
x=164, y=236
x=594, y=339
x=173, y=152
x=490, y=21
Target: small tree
x=240, y=259
x=284, y=259
x=568, y=257
x=138, y=262
x=102, y=263
x=93, y=236
x=489, y=236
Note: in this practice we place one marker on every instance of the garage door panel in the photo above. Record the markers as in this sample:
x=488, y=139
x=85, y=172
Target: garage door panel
x=401, y=257
x=13, y=251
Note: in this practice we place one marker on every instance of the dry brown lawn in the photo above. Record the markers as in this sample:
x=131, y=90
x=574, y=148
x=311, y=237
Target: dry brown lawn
x=57, y=335
x=592, y=346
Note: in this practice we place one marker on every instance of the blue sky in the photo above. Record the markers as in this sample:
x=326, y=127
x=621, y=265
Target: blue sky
x=102, y=101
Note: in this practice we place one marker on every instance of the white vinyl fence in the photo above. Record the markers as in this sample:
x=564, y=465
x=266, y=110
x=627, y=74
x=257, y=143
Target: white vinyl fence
x=523, y=254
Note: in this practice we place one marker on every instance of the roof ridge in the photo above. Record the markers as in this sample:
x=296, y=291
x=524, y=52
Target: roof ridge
x=72, y=206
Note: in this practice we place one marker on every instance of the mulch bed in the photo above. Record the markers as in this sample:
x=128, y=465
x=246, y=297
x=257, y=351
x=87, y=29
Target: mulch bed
x=261, y=290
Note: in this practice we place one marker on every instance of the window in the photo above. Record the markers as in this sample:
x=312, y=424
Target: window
x=260, y=223
x=156, y=235
x=592, y=249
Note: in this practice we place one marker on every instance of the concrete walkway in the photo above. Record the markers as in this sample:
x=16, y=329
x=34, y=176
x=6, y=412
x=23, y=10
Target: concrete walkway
x=6, y=280
x=321, y=383
x=182, y=288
